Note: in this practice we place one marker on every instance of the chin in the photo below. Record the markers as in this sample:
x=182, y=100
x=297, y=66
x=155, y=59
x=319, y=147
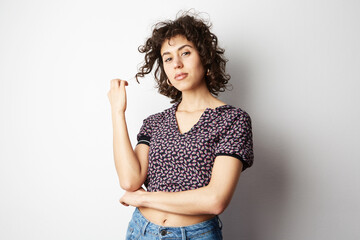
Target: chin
x=182, y=89
x=184, y=86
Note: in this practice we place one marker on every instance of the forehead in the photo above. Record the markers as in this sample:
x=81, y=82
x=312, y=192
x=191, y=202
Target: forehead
x=174, y=43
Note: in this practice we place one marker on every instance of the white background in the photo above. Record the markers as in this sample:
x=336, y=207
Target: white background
x=295, y=70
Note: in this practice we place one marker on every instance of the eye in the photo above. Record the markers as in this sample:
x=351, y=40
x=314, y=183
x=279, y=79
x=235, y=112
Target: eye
x=167, y=59
x=185, y=53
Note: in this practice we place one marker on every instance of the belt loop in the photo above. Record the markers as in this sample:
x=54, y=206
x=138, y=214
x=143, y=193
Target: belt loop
x=143, y=228
x=220, y=222
x=183, y=234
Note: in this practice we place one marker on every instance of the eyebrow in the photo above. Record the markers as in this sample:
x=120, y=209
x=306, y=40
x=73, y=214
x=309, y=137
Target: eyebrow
x=186, y=45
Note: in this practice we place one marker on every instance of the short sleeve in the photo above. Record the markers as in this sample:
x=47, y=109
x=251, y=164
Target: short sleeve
x=236, y=140
x=144, y=134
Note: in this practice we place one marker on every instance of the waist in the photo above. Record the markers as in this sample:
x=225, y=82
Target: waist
x=171, y=219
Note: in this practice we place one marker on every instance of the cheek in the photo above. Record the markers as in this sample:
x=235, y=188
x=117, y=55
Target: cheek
x=200, y=69
x=166, y=70
x=199, y=65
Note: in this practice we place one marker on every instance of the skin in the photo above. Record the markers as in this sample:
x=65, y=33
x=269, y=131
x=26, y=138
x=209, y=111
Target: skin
x=173, y=208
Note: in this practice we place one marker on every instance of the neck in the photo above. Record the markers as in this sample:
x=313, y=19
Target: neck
x=198, y=99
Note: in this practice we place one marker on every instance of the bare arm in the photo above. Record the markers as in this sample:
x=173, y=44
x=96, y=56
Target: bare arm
x=211, y=199
x=131, y=166
x=130, y=172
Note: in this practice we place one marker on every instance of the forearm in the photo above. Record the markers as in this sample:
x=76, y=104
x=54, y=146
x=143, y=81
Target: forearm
x=203, y=200
x=126, y=163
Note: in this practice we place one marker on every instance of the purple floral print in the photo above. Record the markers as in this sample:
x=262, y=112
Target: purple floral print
x=184, y=161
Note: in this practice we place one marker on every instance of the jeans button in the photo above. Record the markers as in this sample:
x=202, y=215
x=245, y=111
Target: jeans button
x=163, y=232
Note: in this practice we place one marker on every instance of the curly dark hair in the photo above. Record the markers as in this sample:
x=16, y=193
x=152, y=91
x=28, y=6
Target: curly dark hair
x=197, y=31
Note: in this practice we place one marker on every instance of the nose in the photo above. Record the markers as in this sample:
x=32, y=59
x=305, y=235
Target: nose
x=177, y=63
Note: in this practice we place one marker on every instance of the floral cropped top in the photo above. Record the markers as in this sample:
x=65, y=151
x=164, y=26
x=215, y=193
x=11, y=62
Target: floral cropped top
x=184, y=161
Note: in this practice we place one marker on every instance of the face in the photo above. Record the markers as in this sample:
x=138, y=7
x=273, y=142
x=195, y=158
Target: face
x=182, y=63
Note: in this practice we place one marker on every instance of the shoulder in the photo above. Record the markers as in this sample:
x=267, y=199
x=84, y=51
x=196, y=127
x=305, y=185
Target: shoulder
x=230, y=114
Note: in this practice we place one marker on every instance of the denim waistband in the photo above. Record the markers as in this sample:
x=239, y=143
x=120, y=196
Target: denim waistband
x=151, y=228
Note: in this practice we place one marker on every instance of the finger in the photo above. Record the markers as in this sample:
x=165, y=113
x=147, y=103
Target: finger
x=123, y=203
x=112, y=83
x=115, y=82
x=123, y=83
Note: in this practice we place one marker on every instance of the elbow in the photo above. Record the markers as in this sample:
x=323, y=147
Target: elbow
x=218, y=206
x=129, y=187
x=218, y=209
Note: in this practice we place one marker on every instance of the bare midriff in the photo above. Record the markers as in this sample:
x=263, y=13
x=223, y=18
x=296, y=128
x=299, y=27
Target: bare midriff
x=168, y=219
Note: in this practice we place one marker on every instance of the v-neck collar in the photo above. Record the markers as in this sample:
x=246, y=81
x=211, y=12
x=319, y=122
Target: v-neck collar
x=174, y=120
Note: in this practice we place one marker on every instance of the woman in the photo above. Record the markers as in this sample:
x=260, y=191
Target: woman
x=190, y=156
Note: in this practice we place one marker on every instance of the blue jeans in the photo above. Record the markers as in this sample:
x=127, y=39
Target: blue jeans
x=140, y=228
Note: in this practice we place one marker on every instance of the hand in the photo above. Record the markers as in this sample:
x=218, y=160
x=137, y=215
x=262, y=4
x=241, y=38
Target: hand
x=133, y=198
x=117, y=95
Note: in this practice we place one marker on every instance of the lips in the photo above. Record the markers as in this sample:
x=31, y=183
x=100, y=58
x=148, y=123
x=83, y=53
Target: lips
x=180, y=76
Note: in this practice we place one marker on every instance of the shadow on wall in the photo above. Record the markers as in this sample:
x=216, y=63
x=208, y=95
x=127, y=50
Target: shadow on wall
x=256, y=211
